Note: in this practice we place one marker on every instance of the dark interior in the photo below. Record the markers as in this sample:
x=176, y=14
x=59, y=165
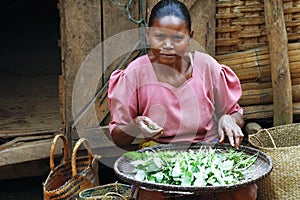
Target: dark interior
x=29, y=65
x=29, y=36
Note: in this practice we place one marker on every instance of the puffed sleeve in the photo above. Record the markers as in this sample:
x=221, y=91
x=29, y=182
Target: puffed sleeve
x=121, y=99
x=228, y=92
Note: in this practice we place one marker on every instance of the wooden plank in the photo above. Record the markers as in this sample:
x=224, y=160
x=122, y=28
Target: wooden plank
x=256, y=85
x=229, y=3
x=25, y=152
x=203, y=16
x=116, y=21
x=62, y=100
x=265, y=96
x=25, y=132
x=229, y=15
x=280, y=73
x=256, y=97
x=81, y=32
x=20, y=140
x=265, y=111
x=228, y=29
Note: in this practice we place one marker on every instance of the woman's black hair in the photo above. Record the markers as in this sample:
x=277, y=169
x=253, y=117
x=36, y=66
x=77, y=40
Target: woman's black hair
x=170, y=8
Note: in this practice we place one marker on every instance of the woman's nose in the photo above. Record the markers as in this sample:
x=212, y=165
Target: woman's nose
x=168, y=44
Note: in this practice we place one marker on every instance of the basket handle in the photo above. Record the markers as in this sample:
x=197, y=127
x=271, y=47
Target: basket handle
x=111, y=194
x=66, y=150
x=272, y=140
x=266, y=130
x=74, y=155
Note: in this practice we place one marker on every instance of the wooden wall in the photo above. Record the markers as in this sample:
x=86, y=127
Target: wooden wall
x=84, y=25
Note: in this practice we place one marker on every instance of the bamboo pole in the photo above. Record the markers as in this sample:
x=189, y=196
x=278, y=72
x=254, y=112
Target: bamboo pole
x=280, y=73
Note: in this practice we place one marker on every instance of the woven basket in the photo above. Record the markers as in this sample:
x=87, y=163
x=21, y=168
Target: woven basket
x=282, y=143
x=113, y=191
x=72, y=176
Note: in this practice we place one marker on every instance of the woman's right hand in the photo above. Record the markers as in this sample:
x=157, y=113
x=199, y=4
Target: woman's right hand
x=124, y=135
x=149, y=128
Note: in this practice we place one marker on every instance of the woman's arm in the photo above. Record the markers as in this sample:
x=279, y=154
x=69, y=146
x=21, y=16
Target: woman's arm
x=141, y=126
x=124, y=135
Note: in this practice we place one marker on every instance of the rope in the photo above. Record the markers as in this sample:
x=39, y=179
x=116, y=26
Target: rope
x=141, y=22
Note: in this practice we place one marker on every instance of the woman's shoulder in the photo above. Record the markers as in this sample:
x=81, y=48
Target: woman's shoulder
x=204, y=57
x=135, y=68
x=139, y=62
x=206, y=63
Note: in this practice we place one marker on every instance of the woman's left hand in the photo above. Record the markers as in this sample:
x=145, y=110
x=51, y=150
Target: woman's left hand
x=228, y=126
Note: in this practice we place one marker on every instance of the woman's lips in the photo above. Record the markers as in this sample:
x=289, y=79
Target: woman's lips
x=168, y=55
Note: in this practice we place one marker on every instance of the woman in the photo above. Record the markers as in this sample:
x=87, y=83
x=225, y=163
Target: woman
x=172, y=95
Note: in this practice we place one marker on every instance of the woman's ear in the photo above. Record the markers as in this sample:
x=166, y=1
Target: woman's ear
x=191, y=34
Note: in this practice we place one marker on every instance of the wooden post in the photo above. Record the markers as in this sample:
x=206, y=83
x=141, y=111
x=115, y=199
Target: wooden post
x=280, y=73
x=203, y=16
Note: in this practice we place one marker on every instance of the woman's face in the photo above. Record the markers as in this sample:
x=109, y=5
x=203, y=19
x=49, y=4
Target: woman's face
x=169, y=38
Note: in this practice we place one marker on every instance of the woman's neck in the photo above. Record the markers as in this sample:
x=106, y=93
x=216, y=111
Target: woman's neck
x=175, y=74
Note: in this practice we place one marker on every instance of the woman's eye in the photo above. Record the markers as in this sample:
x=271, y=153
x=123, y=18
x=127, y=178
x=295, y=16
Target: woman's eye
x=177, y=37
x=159, y=36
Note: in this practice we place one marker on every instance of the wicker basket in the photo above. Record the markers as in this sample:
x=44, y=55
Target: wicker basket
x=113, y=191
x=67, y=179
x=282, y=143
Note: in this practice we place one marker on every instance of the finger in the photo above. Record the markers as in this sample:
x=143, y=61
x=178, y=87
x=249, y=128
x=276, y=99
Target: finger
x=239, y=136
x=143, y=126
x=156, y=126
x=150, y=132
x=151, y=125
x=230, y=138
x=148, y=122
x=157, y=136
x=236, y=137
x=222, y=136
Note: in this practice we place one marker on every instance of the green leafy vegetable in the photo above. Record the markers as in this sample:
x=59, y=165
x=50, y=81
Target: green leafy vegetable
x=191, y=168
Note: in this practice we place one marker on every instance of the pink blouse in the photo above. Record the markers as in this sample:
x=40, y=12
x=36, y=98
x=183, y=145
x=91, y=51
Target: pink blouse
x=187, y=113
